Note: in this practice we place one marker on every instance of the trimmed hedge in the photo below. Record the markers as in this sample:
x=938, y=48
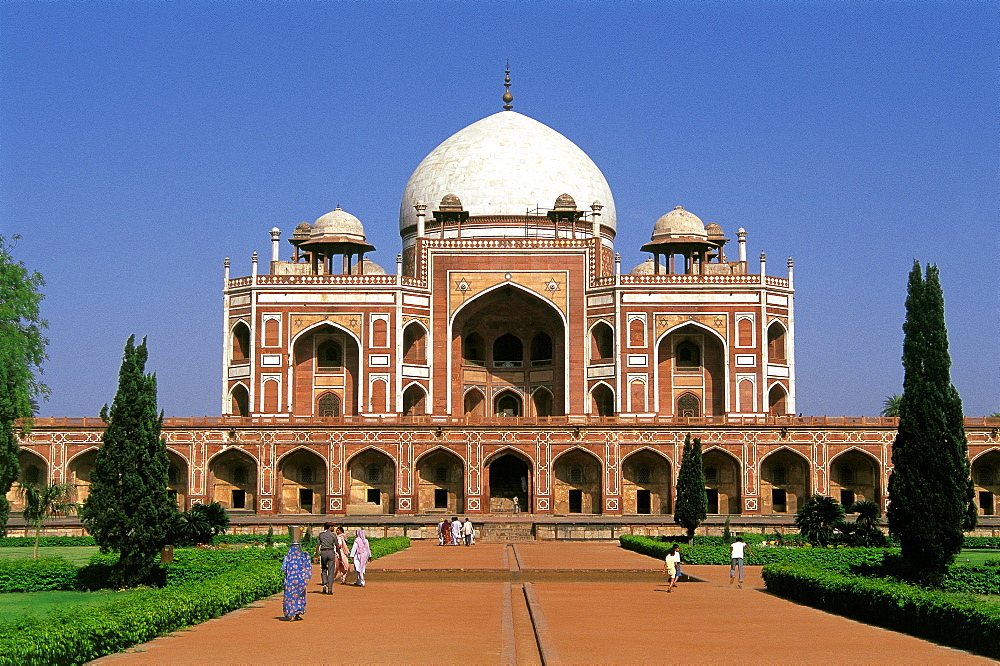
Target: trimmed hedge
x=836, y=558
x=972, y=578
x=41, y=575
x=962, y=621
x=79, y=635
x=29, y=541
x=981, y=542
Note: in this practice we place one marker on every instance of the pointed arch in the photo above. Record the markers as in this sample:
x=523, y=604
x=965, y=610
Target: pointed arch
x=415, y=336
x=688, y=405
x=985, y=470
x=602, y=400
x=503, y=285
x=32, y=468
x=541, y=402
x=777, y=399
x=474, y=402
x=776, y=342
x=78, y=469
x=440, y=481
x=785, y=476
x=647, y=481
x=178, y=471
x=329, y=405
x=723, y=473
x=510, y=481
x=712, y=367
x=240, y=342
x=855, y=475
x=577, y=482
x=602, y=342
x=415, y=400
x=239, y=400
x=372, y=482
x=508, y=402
x=302, y=474
x=233, y=477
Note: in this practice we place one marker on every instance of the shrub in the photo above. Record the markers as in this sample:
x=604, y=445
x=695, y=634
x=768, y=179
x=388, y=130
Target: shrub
x=41, y=575
x=972, y=579
x=960, y=621
x=833, y=558
x=250, y=538
x=25, y=542
x=981, y=542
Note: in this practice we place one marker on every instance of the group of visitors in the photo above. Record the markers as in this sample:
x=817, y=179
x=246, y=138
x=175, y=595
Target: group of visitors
x=454, y=532
x=737, y=549
x=335, y=563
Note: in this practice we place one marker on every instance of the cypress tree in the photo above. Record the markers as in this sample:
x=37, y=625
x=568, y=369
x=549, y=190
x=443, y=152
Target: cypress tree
x=930, y=489
x=692, y=502
x=128, y=509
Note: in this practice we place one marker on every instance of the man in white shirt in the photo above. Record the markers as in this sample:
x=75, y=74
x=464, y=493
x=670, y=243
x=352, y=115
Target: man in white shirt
x=456, y=532
x=467, y=531
x=737, y=549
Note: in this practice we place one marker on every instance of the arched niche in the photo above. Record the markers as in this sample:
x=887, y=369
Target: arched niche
x=239, y=401
x=78, y=478
x=414, y=400
x=784, y=482
x=31, y=469
x=474, y=403
x=602, y=343
x=414, y=344
x=510, y=483
x=602, y=401
x=646, y=484
x=576, y=486
x=508, y=403
x=372, y=489
x=509, y=337
x=776, y=347
x=440, y=483
x=240, y=343
x=177, y=479
x=722, y=482
x=777, y=401
x=986, y=477
x=541, y=402
x=854, y=477
x=325, y=360
x=232, y=480
x=686, y=357
x=302, y=482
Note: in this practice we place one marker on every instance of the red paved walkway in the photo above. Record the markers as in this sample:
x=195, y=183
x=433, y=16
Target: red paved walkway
x=427, y=618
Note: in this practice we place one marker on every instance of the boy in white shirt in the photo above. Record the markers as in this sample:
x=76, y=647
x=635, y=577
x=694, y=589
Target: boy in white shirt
x=737, y=549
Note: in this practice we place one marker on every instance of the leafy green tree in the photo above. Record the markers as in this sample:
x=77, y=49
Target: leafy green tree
x=128, y=508
x=22, y=351
x=41, y=502
x=817, y=519
x=890, y=406
x=930, y=489
x=692, y=502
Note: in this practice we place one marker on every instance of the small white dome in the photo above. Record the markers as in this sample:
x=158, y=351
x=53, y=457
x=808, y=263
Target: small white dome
x=506, y=164
x=679, y=222
x=338, y=223
x=647, y=268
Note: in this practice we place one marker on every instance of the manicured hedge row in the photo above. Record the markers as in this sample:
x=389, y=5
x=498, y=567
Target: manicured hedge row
x=981, y=542
x=836, y=558
x=973, y=579
x=82, y=634
x=41, y=575
x=29, y=541
x=962, y=621
x=220, y=539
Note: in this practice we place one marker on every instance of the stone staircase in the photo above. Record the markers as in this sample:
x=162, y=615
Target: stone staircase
x=506, y=532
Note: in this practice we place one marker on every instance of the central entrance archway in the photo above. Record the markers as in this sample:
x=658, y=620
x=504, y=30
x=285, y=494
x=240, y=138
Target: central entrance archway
x=510, y=484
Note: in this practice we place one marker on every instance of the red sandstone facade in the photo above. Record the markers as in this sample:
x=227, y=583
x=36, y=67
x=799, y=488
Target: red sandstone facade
x=508, y=364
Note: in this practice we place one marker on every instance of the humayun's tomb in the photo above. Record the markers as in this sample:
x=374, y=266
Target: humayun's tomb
x=509, y=365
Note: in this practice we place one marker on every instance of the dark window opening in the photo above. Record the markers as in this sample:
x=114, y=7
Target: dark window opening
x=779, y=500
x=643, y=502
x=241, y=342
x=688, y=405
x=847, y=500
x=240, y=475
x=473, y=350
x=779, y=475
x=602, y=344
x=306, y=499
x=329, y=356
x=541, y=350
x=239, y=499
x=847, y=475
x=329, y=405
x=172, y=494
x=508, y=405
x=440, y=498
x=688, y=355
x=711, y=475
x=374, y=496
x=414, y=344
x=33, y=475
x=986, y=502
x=576, y=501
x=576, y=475
x=712, y=495
x=508, y=351
x=441, y=475
x=306, y=474
x=374, y=474
x=642, y=475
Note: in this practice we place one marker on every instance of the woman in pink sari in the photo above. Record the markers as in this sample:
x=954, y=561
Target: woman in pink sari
x=343, y=566
x=361, y=552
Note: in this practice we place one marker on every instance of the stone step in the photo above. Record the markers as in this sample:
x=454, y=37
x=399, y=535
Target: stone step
x=506, y=532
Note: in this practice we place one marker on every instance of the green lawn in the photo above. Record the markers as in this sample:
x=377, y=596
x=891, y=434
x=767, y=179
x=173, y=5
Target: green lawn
x=16, y=604
x=976, y=556
x=78, y=555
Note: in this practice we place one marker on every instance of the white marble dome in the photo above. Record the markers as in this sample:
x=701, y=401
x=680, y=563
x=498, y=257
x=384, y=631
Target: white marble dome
x=679, y=222
x=648, y=268
x=506, y=164
x=338, y=223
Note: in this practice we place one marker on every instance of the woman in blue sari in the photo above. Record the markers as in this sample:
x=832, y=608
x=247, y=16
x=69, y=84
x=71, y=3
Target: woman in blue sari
x=297, y=568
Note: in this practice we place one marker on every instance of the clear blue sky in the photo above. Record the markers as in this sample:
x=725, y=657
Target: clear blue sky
x=141, y=143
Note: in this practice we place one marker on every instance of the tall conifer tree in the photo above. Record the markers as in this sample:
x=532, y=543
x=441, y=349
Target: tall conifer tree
x=128, y=508
x=692, y=501
x=930, y=490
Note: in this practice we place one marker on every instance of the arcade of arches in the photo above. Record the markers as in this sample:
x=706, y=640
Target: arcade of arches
x=509, y=344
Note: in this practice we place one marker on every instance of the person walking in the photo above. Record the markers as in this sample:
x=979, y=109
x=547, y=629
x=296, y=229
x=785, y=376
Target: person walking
x=441, y=532
x=456, y=531
x=670, y=565
x=297, y=568
x=468, y=531
x=326, y=553
x=446, y=531
x=737, y=549
x=361, y=552
x=343, y=566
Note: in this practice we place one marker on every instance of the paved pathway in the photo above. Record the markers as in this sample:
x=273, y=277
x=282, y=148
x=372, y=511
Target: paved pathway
x=567, y=602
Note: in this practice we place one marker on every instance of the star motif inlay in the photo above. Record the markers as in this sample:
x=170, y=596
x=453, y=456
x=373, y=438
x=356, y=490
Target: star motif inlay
x=551, y=286
x=463, y=285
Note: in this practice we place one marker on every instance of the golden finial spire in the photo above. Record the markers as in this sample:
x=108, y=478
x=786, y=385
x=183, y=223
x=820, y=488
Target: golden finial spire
x=507, y=97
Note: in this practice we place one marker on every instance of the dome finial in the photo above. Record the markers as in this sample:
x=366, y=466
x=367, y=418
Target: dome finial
x=507, y=97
